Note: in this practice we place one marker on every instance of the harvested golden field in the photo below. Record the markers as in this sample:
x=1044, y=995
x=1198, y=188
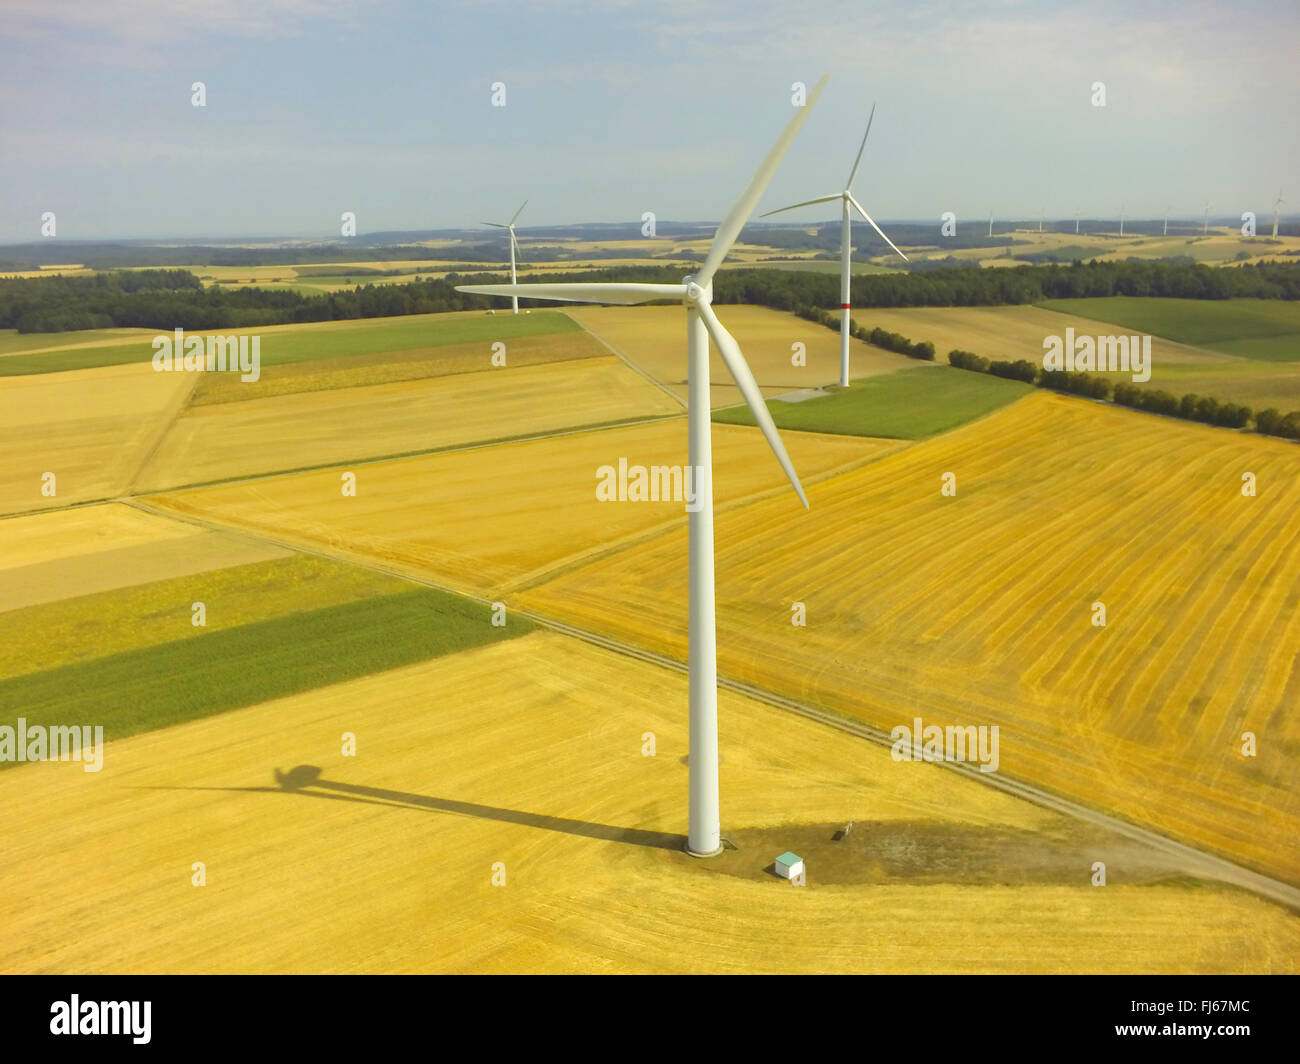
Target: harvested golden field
x=386, y=367
x=1014, y=332
x=384, y=862
x=487, y=519
x=92, y=429
x=47, y=557
x=69, y=270
x=977, y=609
x=296, y=431
x=654, y=339
x=1219, y=247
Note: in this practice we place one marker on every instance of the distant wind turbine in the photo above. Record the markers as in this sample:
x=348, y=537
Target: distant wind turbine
x=1121, y=219
x=1166, y=229
x=704, y=837
x=846, y=245
x=510, y=227
x=1276, y=204
x=1205, y=225
x=1077, y=212
x=1041, y=212
x=990, y=223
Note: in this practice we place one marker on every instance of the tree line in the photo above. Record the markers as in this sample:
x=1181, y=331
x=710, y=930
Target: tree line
x=165, y=299
x=1190, y=407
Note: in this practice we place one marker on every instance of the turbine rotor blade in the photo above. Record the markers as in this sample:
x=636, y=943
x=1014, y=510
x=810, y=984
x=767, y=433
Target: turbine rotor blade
x=744, y=207
x=496, y=225
x=739, y=368
x=805, y=203
x=852, y=173
x=622, y=293
x=518, y=212
x=875, y=226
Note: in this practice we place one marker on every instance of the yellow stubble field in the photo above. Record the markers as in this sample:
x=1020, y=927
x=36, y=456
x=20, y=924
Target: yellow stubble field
x=1015, y=332
x=654, y=338
x=45, y=557
x=979, y=609
x=499, y=816
x=489, y=519
x=91, y=428
x=295, y=431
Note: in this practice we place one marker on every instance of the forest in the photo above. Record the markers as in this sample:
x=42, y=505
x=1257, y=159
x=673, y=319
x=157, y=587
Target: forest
x=167, y=299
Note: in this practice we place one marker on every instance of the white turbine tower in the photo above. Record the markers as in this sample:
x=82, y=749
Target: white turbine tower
x=1077, y=213
x=1041, y=212
x=1205, y=224
x=846, y=245
x=704, y=838
x=990, y=223
x=1276, y=204
x=1121, y=219
x=510, y=227
x=1165, y=231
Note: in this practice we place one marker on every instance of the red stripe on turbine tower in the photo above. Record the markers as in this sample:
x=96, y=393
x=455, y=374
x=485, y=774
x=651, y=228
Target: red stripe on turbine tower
x=845, y=306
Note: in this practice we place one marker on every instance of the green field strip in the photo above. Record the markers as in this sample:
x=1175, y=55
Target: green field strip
x=389, y=367
x=905, y=406
x=1261, y=329
x=314, y=340
x=1284, y=347
x=155, y=687
x=83, y=628
x=11, y=340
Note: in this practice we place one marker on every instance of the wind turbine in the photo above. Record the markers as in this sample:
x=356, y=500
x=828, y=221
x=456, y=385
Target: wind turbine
x=990, y=223
x=1041, y=212
x=1276, y=204
x=1205, y=225
x=1121, y=219
x=1166, y=229
x=510, y=227
x=704, y=837
x=1077, y=212
x=846, y=245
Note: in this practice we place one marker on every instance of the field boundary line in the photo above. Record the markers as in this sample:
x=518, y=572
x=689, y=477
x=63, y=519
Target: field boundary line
x=1211, y=865
x=179, y=407
x=255, y=477
x=625, y=359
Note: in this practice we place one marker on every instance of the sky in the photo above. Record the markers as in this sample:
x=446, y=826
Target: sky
x=612, y=109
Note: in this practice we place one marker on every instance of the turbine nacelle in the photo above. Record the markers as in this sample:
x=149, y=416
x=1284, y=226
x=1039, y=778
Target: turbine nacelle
x=696, y=293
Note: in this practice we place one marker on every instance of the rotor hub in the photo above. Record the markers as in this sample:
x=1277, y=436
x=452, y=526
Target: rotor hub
x=697, y=293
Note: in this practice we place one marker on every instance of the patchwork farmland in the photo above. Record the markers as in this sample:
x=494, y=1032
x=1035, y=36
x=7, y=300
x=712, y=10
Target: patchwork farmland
x=369, y=613
x=483, y=492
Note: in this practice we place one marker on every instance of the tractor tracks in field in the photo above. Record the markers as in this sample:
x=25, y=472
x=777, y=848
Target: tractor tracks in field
x=628, y=361
x=1196, y=862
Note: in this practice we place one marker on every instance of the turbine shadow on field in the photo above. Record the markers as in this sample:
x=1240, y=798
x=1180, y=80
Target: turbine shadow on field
x=306, y=780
